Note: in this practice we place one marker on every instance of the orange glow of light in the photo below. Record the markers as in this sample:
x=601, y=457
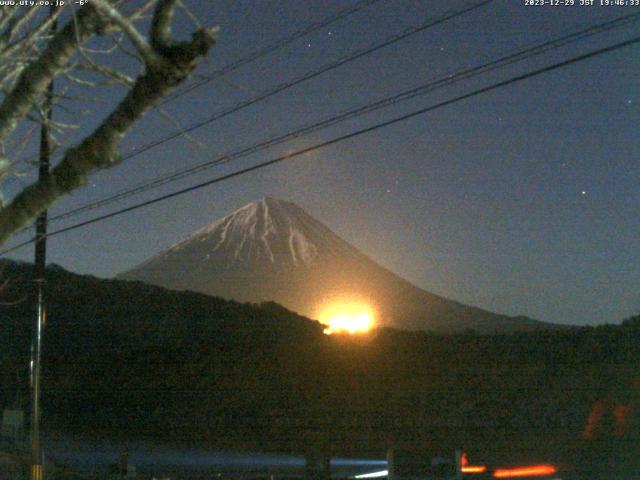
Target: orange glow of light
x=347, y=317
x=473, y=469
x=531, y=471
x=466, y=468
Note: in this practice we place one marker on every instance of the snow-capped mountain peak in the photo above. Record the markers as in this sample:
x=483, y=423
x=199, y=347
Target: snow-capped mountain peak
x=267, y=231
x=272, y=250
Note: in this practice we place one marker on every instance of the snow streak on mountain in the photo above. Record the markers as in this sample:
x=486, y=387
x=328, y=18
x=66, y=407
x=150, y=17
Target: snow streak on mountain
x=272, y=250
x=270, y=233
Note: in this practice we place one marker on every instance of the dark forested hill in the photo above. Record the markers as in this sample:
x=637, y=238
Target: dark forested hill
x=126, y=360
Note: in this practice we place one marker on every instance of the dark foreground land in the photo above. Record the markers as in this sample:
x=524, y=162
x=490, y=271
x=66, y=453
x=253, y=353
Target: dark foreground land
x=127, y=361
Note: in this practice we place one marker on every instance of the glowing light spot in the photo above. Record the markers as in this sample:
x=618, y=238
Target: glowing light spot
x=352, y=317
x=474, y=469
x=531, y=471
x=466, y=468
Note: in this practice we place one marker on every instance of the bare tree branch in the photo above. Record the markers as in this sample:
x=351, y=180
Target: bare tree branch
x=114, y=75
x=141, y=11
x=139, y=41
x=34, y=80
x=171, y=63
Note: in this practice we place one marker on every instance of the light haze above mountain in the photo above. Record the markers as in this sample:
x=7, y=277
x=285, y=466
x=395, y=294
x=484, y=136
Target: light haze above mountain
x=272, y=250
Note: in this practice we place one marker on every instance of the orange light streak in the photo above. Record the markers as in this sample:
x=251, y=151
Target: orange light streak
x=466, y=468
x=473, y=469
x=532, y=471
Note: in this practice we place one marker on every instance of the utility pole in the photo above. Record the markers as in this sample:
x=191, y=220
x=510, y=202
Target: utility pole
x=37, y=461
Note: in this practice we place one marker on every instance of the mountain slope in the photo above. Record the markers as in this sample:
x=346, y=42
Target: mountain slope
x=272, y=250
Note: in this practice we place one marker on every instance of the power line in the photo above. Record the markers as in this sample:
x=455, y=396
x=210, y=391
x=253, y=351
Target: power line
x=318, y=146
x=385, y=102
x=274, y=47
x=430, y=23
x=306, y=30
x=450, y=15
x=357, y=54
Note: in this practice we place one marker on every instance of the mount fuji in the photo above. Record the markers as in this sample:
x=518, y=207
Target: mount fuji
x=272, y=250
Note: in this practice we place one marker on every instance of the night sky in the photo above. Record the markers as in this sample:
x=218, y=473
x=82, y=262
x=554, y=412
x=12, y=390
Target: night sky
x=524, y=200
